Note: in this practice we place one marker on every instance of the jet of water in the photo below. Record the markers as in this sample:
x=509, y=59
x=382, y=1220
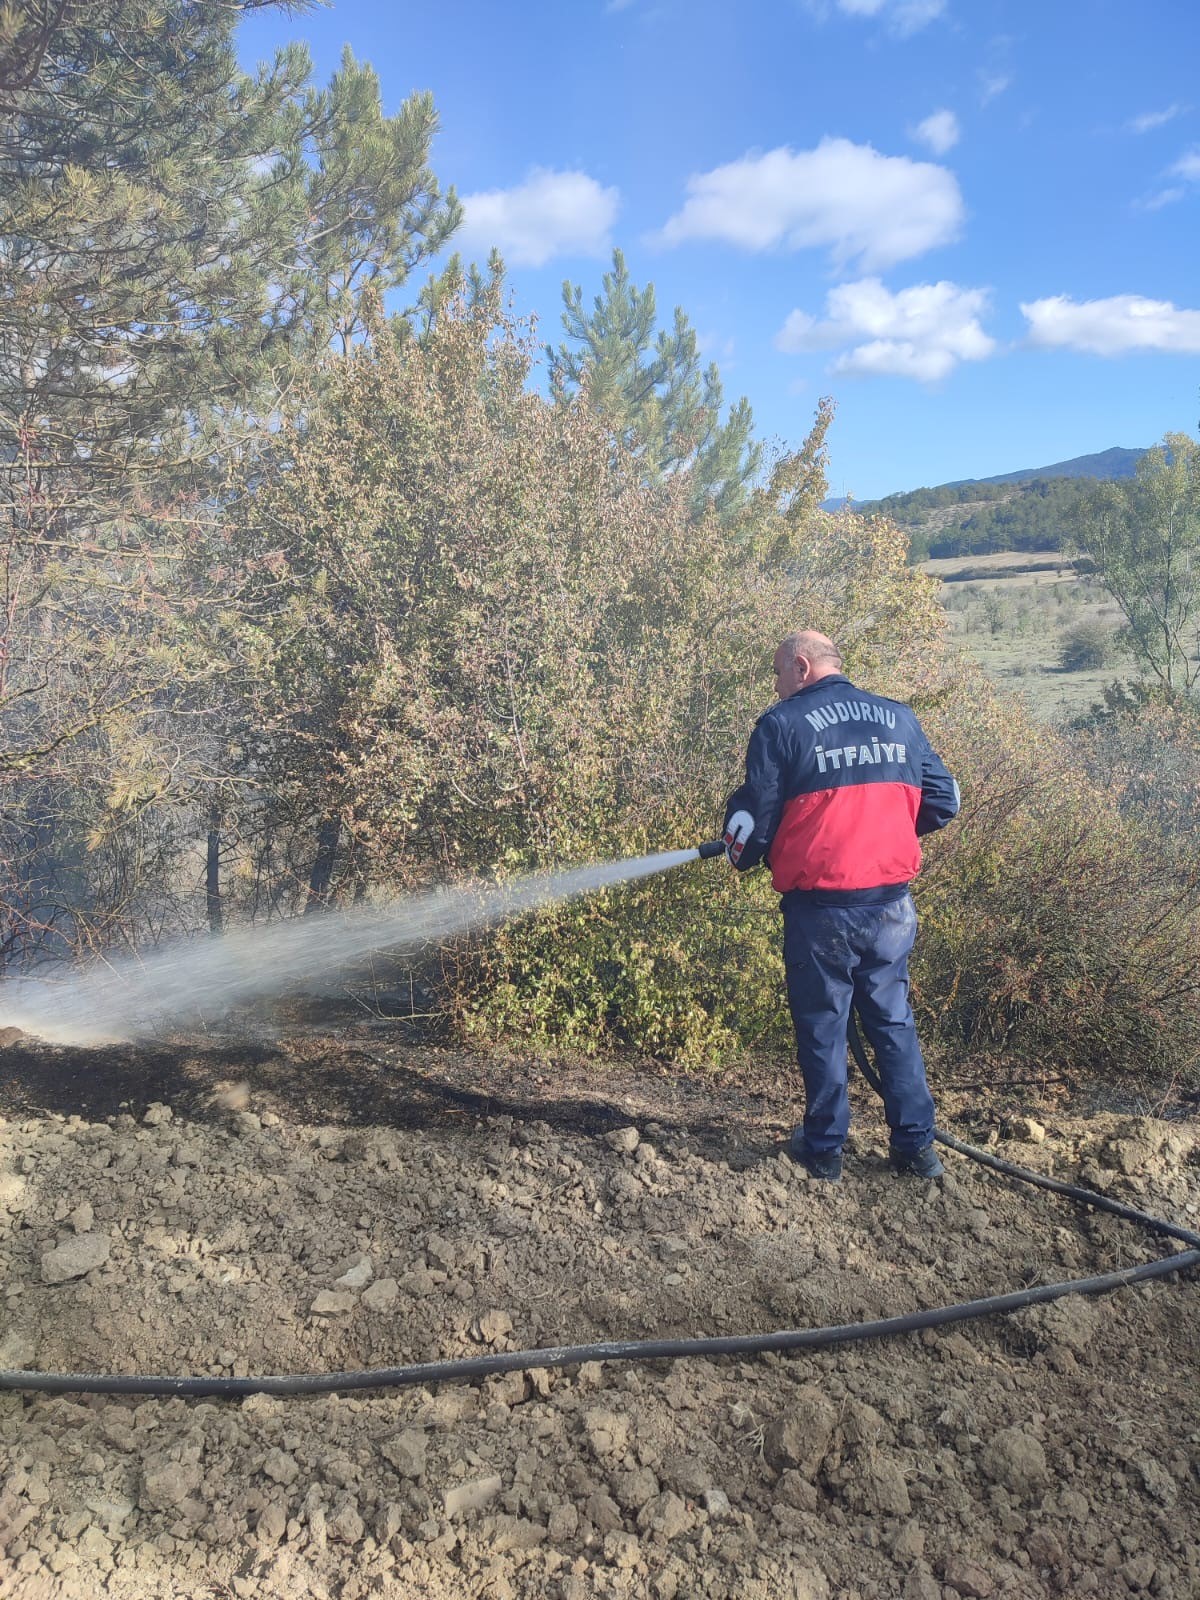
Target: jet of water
x=193, y=979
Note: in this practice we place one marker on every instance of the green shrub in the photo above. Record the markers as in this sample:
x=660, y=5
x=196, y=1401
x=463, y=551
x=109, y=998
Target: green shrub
x=1056, y=922
x=1087, y=646
x=684, y=967
x=492, y=647
x=517, y=654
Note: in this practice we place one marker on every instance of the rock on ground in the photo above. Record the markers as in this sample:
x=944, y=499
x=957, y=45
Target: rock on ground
x=1049, y=1453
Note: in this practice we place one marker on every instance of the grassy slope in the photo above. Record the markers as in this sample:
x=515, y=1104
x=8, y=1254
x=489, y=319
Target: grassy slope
x=1011, y=611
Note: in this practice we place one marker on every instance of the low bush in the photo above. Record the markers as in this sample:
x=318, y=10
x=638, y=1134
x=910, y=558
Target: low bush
x=1089, y=645
x=1057, y=921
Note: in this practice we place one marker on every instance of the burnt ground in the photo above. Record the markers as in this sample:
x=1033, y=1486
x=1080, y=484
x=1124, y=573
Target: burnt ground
x=332, y=1198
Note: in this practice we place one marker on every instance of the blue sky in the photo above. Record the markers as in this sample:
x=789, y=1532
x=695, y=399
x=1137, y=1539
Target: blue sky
x=974, y=223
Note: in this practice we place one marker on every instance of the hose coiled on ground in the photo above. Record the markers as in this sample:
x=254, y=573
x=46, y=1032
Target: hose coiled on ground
x=667, y=1349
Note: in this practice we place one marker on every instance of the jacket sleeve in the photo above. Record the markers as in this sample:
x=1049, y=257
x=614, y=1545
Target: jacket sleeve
x=940, y=798
x=762, y=794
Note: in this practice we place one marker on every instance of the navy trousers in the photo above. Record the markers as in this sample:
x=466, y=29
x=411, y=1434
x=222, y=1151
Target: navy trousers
x=836, y=956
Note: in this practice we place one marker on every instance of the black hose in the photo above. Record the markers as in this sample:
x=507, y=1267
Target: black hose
x=573, y=1355
x=666, y=1349
x=1073, y=1191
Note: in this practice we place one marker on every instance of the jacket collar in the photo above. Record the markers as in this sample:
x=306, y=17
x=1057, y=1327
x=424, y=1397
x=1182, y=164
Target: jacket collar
x=827, y=681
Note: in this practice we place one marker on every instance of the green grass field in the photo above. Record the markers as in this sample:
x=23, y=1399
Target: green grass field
x=1015, y=612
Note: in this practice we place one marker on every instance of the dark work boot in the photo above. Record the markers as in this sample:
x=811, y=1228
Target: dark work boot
x=825, y=1164
x=917, y=1163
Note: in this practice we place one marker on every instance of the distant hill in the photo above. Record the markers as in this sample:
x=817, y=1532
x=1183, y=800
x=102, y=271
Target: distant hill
x=1114, y=463
x=1026, y=510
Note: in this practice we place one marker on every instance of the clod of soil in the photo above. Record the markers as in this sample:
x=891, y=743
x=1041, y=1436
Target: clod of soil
x=449, y=1206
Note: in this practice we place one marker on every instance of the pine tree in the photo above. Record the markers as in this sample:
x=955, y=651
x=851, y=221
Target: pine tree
x=178, y=241
x=175, y=230
x=650, y=388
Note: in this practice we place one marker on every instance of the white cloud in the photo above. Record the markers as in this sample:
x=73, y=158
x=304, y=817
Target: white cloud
x=841, y=196
x=939, y=132
x=922, y=332
x=1187, y=168
x=1112, y=327
x=991, y=84
x=911, y=15
x=716, y=347
x=1153, y=119
x=1164, y=197
x=550, y=214
x=902, y=16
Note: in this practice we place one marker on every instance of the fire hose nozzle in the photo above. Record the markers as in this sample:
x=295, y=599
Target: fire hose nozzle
x=715, y=847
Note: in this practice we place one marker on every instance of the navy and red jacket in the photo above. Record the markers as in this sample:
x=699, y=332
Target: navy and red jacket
x=840, y=783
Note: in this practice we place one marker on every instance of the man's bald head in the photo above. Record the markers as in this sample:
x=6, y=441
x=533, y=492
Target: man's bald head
x=802, y=658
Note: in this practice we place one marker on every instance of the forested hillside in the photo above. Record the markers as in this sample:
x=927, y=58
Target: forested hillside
x=983, y=517
x=1027, y=510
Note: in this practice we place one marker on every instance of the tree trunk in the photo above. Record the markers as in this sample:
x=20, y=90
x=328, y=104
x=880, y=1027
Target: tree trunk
x=328, y=835
x=212, y=874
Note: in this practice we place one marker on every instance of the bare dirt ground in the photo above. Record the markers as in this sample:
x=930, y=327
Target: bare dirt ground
x=365, y=1203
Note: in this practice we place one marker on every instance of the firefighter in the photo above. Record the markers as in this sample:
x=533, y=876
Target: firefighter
x=840, y=784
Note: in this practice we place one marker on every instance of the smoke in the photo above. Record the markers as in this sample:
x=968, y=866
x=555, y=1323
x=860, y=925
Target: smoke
x=196, y=980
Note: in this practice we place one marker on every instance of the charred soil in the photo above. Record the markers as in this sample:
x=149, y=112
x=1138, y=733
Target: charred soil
x=334, y=1201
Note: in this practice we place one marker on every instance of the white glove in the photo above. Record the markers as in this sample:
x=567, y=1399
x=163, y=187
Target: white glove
x=737, y=830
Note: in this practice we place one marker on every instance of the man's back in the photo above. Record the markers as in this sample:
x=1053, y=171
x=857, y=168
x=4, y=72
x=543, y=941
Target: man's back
x=840, y=783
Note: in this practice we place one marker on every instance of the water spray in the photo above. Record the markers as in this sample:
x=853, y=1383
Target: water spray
x=194, y=980
x=261, y=961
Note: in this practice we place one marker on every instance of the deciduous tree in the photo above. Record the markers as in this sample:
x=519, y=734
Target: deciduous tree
x=1144, y=537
